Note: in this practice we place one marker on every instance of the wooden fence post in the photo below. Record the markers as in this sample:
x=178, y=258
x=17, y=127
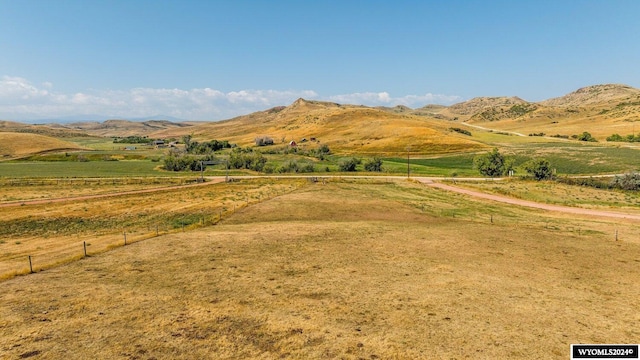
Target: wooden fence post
x=84, y=244
x=30, y=265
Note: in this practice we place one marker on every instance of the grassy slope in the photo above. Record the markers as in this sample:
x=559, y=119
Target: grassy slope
x=346, y=129
x=14, y=145
x=601, y=110
x=310, y=275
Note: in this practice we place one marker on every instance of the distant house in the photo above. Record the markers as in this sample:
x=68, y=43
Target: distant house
x=292, y=143
x=130, y=148
x=158, y=143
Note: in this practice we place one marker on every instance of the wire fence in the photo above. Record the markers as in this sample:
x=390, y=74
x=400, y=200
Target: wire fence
x=78, y=247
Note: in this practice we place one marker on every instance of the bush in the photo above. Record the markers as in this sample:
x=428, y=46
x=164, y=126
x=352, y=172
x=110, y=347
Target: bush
x=294, y=166
x=585, y=136
x=179, y=162
x=493, y=164
x=540, y=169
x=461, y=131
x=246, y=159
x=628, y=138
x=194, y=147
x=374, y=164
x=629, y=181
x=349, y=164
x=321, y=152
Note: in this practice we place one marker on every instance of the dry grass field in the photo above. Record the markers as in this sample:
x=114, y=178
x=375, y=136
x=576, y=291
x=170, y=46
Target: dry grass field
x=15, y=190
x=352, y=270
x=550, y=192
x=55, y=232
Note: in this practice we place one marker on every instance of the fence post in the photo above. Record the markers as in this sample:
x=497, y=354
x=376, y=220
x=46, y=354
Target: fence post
x=156, y=229
x=616, y=234
x=30, y=265
x=84, y=244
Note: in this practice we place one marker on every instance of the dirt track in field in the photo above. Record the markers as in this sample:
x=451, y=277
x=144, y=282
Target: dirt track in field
x=210, y=181
x=429, y=181
x=531, y=204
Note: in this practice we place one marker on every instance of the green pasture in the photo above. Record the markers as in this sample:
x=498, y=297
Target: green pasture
x=81, y=169
x=582, y=159
x=457, y=165
x=110, y=160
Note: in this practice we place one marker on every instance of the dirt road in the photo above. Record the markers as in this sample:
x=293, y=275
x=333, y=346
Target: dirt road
x=531, y=204
x=429, y=181
x=210, y=181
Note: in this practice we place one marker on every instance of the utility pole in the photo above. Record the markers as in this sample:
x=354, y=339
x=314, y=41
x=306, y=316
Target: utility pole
x=408, y=169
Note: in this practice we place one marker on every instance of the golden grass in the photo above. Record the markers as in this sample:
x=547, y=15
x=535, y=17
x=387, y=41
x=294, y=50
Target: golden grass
x=12, y=190
x=54, y=233
x=560, y=194
x=353, y=270
x=344, y=128
x=14, y=145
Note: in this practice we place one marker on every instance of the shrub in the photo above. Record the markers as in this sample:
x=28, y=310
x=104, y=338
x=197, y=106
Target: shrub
x=349, y=164
x=461, y=131
x=194, y=147
x=540, y=169
x=296, y=167
x=243, y=159
x=179, y=162
x=374, y=164
x=585, y=136
x=628, y=138
x=629, y=181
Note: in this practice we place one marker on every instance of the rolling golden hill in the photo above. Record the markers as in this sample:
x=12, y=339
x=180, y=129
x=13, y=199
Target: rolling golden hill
x=344, y=128
x=601, y=110
x=53, y=130
x=15, y=145
x=123, y=128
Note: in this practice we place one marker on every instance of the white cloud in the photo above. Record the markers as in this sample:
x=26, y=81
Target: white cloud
x=21, y=100
x=384, y=99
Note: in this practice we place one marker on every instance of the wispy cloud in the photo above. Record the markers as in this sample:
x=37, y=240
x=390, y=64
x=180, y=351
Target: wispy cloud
x=22, y=100
x=385, y=99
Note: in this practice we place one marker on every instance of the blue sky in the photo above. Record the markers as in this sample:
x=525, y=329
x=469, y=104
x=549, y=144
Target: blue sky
x=212, y=60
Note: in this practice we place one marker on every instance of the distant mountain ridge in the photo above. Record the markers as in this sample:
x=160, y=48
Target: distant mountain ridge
x=599, y=109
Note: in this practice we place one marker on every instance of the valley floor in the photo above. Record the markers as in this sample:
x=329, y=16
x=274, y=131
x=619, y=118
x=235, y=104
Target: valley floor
x=356, y=269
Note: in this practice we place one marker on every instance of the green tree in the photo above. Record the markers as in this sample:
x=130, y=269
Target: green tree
x=540, y=169
x=349, y=164
x=374, y=164
x=186, y=139
x=585, y=136
x=493, y=164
